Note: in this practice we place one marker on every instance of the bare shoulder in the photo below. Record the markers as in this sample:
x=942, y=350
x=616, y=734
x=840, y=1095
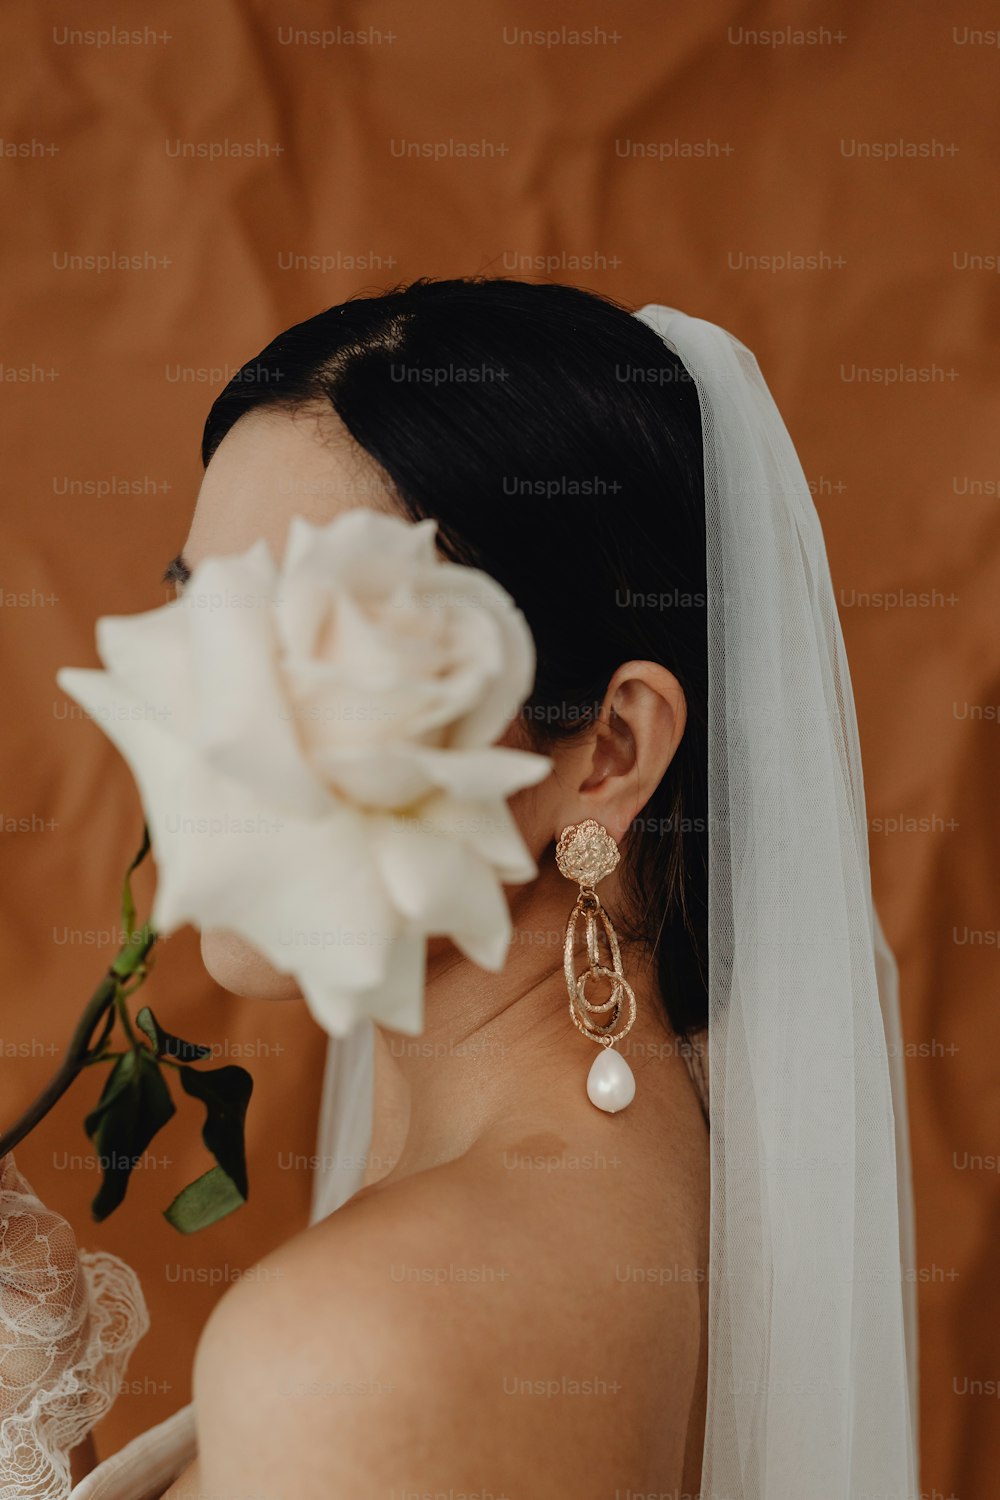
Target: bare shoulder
x=542, y=1283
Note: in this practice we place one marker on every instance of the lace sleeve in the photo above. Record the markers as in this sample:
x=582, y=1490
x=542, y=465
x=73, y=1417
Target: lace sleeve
x=69, y=1321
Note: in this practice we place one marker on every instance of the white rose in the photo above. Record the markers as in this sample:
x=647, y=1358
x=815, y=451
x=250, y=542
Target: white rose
x=314, y=748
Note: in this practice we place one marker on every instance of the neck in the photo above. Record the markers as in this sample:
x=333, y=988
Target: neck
x=495, y=1047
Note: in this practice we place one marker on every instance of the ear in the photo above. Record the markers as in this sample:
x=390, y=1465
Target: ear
x=640, y=726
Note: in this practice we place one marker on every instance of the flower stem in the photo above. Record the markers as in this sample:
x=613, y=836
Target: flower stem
x=77, y=1055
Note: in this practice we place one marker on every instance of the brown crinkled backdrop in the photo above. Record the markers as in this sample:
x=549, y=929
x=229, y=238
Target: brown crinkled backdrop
x=819, y=179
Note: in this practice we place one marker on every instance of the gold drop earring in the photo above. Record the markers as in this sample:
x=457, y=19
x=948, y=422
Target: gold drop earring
x=586, y=853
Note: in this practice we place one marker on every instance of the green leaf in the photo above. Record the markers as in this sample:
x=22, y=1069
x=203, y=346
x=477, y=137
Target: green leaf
x=203, y=1202
x=165, y=1043
x=225, y=1093
x=135, y=1103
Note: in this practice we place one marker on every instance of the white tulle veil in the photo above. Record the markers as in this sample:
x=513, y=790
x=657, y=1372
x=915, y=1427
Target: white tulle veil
x=812, y=1327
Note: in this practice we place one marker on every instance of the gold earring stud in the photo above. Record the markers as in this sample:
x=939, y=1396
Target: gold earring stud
x=586, y=853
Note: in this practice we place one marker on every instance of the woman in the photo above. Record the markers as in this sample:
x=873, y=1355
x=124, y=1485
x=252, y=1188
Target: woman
x=521, y=1299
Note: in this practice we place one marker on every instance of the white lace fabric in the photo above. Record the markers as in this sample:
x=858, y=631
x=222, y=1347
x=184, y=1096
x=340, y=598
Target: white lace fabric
x=69, y=1321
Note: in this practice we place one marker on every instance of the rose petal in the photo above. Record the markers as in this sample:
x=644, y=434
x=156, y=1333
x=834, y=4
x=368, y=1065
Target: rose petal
x=488, y=950
x=243, y=722
x=226, y=859
x=504, y=695
x=482, y=774
x=362, y=549
x=386, y=778
x=150, y=656
x=489, y=828
x=440, y=886
x=396, y=1002
x=334, y=711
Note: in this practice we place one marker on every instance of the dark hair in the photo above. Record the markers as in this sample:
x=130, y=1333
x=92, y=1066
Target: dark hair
x=557, y=442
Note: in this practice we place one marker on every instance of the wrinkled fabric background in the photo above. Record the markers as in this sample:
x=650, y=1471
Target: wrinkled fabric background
x=675, y=159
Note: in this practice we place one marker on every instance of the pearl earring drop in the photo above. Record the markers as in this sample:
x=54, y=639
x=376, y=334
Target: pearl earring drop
x=586, y=853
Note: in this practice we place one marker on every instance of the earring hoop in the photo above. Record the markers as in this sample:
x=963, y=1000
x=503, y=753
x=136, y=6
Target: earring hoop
x=586, y=853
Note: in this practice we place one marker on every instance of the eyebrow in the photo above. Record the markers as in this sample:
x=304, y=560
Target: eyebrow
x=177, y=570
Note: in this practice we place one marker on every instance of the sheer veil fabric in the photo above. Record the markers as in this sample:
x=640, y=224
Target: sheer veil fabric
x=812, y=1330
